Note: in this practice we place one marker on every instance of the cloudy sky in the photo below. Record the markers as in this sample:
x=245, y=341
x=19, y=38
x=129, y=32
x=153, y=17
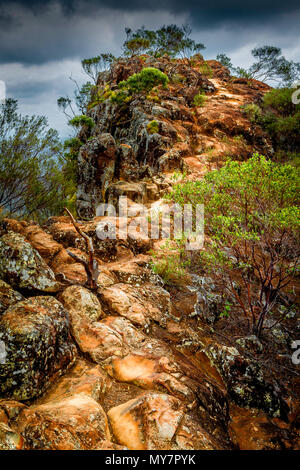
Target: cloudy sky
x=43, y=41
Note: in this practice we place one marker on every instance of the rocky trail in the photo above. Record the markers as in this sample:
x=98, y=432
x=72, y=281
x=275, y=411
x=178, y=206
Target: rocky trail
x=134, y=364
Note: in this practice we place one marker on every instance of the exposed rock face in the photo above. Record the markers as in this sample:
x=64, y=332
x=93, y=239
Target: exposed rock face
x=158, y=421
x=74, y=423
x=245, y=381
x=35, y=333
x=8, y=296
x=122, y=156
x=22, y=266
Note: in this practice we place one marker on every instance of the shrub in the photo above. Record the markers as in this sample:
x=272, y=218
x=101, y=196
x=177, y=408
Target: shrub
x=153, y=127
x=144, y=81
x=178, y=78
x=83, y=120
x=281, y=100
x=170, y=265
x=206, y=70
x=252, y=221
x=253, y=112
x=73, y=145
x=199, y=99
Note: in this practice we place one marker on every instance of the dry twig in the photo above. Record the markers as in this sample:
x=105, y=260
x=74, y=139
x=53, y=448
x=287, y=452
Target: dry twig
x=91, y=266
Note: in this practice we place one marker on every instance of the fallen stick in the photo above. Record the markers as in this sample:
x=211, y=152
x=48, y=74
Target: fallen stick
x=91, y=266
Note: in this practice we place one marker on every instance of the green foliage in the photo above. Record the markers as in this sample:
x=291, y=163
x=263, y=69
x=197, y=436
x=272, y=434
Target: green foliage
x=252, y=221
x=253, y=112
x=227, y=310
x=152, y=127
x=93, y=66
x=206, y=70
x=280, y=100
x=178, y=78
x=172, y=40
x=279, y=117
x=270, y=65
x=144, y=81
x=36, y=180
x=136, y=46
x=199, y=99
x=83, y=120
x=225, y=60
x=170, y=264
x=73, y=145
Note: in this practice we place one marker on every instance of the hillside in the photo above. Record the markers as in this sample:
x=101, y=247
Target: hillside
x=135, y=362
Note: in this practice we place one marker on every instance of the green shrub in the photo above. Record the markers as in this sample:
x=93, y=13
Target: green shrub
x=83, y=120
x=171, y=267
x=206, y=70
x=144, y=81
x=252, y=221
x=73, y=145
x=153, y=127
x=281, y=100
x=178, y=78
x=253, y=112
x=199, y=99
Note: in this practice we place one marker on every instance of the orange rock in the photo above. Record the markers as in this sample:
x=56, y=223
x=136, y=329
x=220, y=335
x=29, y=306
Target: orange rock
x=9, y=439
x=157, y=421
x=73, y=423
x=42, y=242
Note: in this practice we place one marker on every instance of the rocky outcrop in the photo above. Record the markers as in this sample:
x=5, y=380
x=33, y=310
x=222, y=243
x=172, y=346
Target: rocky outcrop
x=122, y=156
x=245, y=381
x=23, y=267
x=35, y=334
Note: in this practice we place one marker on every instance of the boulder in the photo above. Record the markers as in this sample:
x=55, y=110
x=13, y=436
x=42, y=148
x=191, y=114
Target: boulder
x=73, y=423
x=22, y=267
x=245, y=381
x=36, y=337
x=8, y=296
x=156, y=421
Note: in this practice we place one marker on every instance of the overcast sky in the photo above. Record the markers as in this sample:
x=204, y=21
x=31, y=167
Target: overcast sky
x=42, y=42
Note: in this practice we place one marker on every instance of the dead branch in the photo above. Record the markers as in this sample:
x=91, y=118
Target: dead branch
x=91, y=266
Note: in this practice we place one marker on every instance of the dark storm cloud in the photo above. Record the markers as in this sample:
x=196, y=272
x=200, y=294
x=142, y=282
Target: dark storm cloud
x=202, y=12
x=43, y=30
x=42, y=41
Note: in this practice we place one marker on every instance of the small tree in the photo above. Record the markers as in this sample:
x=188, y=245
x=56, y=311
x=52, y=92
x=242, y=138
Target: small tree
x=35, y=179
x=270, y=65
x=172, y=40
x=93, y=66
x=252, y=224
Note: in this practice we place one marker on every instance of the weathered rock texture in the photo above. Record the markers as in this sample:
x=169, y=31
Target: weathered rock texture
x=122, y=157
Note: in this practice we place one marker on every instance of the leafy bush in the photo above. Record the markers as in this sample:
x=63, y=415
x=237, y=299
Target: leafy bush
x=253, y=112
x=206, y=70
x=83, y=120
x=169, y=263
x=73, y=145
x=144, y=81
x=178, y=78
x=279, y=117
x=252, y=221
x=152, y=127
x=280, y=99
x=199, y=99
